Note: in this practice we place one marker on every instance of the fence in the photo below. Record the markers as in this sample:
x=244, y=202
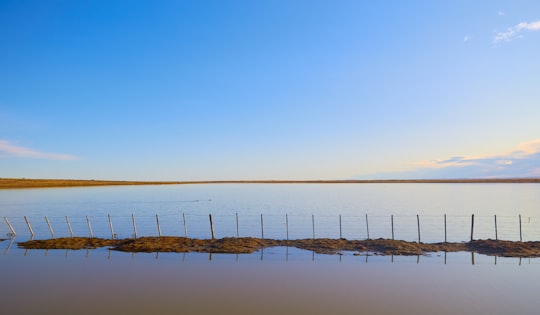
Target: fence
x=426, y=228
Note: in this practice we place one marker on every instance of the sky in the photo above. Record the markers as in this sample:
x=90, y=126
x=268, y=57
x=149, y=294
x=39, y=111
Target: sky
x=280, y=89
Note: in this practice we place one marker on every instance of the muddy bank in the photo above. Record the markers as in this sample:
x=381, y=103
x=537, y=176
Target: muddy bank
x=246, y=245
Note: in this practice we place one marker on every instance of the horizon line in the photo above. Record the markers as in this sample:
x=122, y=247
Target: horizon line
x=7, y=183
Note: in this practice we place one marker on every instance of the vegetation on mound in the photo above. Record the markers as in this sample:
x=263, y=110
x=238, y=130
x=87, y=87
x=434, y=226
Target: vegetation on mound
x=505, y=248
x=243, y=245
x=68, y=243
x=246, y=245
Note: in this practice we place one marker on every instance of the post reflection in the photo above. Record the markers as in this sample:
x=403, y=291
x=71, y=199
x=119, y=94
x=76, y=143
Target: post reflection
x=285, y=254
x=11, y=240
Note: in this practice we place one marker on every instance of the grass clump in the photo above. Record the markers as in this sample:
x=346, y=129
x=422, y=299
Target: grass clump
x=247, y=245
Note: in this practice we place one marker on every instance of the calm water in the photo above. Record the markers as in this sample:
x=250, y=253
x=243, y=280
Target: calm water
x=310, y=209
x=102, y=282
x=277, y=280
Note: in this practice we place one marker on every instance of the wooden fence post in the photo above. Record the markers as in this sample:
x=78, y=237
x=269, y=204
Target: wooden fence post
x=69, y=226
x=90, y=227
x=520, y=235
x=29, y=226
x=262, y=227
x=134, y=225
x=158, y=226
x=185, y=226
x=237, y=226
x=367, y=227
x=392, y=225
x=10, y=227
x=212, y=227
x=111, y=226
x=418, y=221
x=50, y=227
x=313, y=225
x=445, y=235
x=496, y=232
x=472, y=227
x=340, y=234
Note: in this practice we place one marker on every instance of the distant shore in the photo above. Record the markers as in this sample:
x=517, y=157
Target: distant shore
x=16, y=183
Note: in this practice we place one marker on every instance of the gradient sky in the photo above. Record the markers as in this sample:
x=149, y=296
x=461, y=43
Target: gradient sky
x=290, y=89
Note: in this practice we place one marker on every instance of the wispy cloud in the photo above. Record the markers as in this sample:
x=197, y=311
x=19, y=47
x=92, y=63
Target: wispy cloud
x=500, y=13
x=515, y=31
x=8, y=149
x=523, y=161
x=524, y=151
x=526, y=148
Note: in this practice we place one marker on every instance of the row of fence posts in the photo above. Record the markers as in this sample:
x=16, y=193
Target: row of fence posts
x=135, y=234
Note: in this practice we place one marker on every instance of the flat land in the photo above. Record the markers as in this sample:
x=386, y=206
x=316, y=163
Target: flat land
x=246, y=245
x=15, y=183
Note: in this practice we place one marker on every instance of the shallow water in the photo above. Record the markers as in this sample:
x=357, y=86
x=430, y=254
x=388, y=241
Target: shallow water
x=302, y=210
x=272, y=282
x=276, y=280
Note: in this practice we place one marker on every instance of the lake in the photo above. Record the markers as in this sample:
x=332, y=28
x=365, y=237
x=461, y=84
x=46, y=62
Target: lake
x=276, y=280
x=299, y=210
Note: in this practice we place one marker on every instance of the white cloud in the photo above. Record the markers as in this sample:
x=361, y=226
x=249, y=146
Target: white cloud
x=504, y=162
x=515, y=31
x=523, y=161
x=466, y=38
x=500, y=13
x=8, y=149
x=526, y=148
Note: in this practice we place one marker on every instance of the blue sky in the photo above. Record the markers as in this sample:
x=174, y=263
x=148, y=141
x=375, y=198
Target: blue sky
x=210, y=90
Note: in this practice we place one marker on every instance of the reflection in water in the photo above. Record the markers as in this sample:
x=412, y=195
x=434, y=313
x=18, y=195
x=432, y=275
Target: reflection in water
x=276, y=280
x=273, y=281
x=274, y=254
x=11, y=240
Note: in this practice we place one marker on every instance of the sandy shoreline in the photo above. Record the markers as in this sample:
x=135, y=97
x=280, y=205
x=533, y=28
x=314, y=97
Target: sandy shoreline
x=246, y=245
x=18, y=183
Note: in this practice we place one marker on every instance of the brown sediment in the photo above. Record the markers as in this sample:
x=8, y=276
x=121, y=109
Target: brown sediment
x=13, y=183
x=246, y=245
x=505, y=248
x=68, y=243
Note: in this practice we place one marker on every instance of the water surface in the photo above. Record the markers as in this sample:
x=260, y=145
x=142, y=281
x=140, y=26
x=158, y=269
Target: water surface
x=277, y=280
x=310, y=209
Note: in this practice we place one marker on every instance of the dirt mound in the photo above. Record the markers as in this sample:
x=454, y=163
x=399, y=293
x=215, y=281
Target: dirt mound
x=68, y=243
x=246, y=245
x=183, y=245
x=505, y=248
